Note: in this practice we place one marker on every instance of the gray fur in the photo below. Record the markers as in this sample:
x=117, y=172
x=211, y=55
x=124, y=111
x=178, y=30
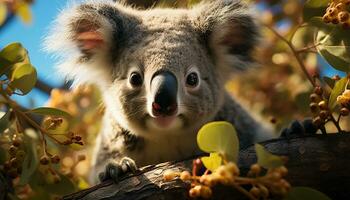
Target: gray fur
x=212, y=38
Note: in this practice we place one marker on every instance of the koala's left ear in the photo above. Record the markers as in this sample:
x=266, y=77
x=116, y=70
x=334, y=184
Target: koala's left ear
x=230, y=30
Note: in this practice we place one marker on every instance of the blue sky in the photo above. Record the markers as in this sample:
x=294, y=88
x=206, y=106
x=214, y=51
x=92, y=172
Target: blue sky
x=31, y=36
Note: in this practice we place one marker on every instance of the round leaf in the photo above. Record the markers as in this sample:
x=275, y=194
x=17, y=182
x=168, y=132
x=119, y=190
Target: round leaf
x=267, y=159
x=219, y=137
x=24, y=13
x=24, y=78
x=212, y=162
x=305, y=193
x=14, y=53
x=3, y=13
x=338, y=89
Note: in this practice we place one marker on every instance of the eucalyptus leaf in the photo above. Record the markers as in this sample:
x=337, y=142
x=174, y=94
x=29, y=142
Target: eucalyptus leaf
x=267, y=159
x=31, y=161
x=50, y=112
x=338, y=89
x=219, y=137
x=333, y=44
x=313, y=8
x=212, y=162
x=305, y=193
x=24, y=78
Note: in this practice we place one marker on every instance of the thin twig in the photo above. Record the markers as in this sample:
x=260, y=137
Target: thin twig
x=295, y=53
x=243, y=191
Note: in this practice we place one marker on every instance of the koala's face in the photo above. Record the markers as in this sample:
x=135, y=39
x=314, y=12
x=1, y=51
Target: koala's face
x=161, y=71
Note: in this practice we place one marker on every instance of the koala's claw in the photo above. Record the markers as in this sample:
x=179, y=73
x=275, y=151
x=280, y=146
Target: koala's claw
x=306, y=127
x=116, y=170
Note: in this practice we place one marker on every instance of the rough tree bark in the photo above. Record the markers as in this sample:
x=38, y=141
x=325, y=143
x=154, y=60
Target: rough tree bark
x=321, y=162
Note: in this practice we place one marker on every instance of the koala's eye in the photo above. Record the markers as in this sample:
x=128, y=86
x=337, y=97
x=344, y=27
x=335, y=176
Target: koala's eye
x=135, y=79
x=192, y=79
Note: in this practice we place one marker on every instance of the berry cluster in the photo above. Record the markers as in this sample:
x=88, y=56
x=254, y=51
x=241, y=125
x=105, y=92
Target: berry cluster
x=268, y=185
x=13, y=166
x=319, y=107
x=344, y=101
x=337, y=13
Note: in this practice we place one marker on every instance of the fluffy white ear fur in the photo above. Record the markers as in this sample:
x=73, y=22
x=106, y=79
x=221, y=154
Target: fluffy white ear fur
x=231, y=30
x=79, y=33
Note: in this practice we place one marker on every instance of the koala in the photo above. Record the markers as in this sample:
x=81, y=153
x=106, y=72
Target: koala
x=162, y=73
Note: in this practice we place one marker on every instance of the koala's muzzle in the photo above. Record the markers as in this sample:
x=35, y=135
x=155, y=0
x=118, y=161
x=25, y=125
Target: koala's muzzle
x=164, y=91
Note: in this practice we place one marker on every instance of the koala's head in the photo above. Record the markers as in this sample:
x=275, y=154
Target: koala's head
x=160, y=70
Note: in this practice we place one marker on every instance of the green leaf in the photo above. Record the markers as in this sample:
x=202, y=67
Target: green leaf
x=333, y=44
x=24, y=13
x=14, y=53
x=50, y=111
x=313, y=8
x=39, y=181
x=4, y=121
x=31, y=161
x=24, y=78
x=219, y=137
x=3, y=13
x=330, y=82
x=305, y=193
x=212, y=162
x=267, y=159
x=338, y=89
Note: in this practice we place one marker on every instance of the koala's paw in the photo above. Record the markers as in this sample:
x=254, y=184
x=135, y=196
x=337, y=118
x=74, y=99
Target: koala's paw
x=115, y=170
x=296, y=128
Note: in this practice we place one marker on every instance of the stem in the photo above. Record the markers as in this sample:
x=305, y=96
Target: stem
x=295, y=53
x=243, y=191
x=307, y=48
x=336, y=124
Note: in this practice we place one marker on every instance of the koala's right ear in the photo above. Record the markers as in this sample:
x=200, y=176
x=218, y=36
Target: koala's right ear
x=84, y=37
x=230, y=30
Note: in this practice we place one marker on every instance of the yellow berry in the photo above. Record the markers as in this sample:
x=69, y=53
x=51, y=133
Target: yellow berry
x=323, y=105
x=232, y=167
x=326, y=19
x=185, y=175
x=344, y=112
x=343, y=16
x=169, y=175
x=275, y=176
x=264, y=191
x=194, y=192
x=255, y=191
x=283, y=170
x=324, y=114
x=255, y=168
x=205, y=192
x=44, y=160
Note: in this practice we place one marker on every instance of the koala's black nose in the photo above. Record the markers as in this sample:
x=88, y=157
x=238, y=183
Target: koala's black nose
x=164, y=90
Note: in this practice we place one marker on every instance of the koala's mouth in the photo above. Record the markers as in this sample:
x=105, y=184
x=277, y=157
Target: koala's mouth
x=165, y=122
